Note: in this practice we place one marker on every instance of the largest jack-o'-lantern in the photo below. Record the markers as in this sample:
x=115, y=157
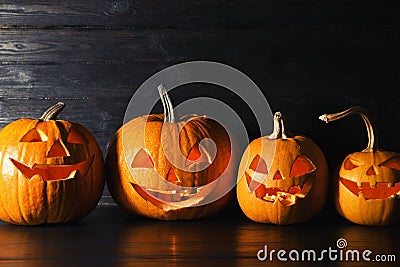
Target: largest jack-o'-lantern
x=51, y=170
x=367, y=186
x=190, y=182
x=282, y=177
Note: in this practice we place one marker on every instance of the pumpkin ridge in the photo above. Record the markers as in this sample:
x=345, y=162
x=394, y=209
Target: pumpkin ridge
x=193, y=124
x=19, y=202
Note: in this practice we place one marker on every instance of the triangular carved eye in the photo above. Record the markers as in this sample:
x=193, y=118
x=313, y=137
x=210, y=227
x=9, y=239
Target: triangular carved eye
x=142, y=160
x=75, y=137
x=34, y=135
x=258, y=165
x=301, y=166
x=350, y=164
x=393, y=163
x=196, y=155
x=251, y=184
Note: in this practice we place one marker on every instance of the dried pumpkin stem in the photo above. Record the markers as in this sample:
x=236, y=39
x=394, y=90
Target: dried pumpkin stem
x=169, y=115
x=372, y=138
x=280, y=127
x=52, y=112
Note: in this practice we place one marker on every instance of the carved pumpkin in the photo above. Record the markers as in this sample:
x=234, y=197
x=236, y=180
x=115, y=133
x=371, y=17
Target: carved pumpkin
x=51, y=170
x=166, y=169
x=367, y=186
x=282, y=178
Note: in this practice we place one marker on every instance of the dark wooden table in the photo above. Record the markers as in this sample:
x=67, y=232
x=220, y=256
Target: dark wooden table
x=110, y=237
x=309, y=57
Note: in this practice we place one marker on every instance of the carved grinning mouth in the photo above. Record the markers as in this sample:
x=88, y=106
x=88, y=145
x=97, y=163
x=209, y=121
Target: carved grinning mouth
x=178, y=195
x=287, y=196
x=372, y=191
x=51, y=172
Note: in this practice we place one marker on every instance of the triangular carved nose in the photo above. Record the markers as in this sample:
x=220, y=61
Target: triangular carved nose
x=371, y=171
x=277, y=176
x=58, y=150
x=171, y=177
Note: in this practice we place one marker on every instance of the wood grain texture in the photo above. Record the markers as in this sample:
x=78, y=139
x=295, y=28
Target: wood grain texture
x=194, y=14
x=307, y=56
x=110, y=238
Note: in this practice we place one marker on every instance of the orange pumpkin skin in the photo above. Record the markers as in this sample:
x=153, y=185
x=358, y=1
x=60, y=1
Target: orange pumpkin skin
x=129, y=185
x=370, y=206
x=51, y=171
x=296, y=166
x=367, y=184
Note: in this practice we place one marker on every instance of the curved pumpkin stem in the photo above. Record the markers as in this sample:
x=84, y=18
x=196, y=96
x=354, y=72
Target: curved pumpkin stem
x=52, y=112
x=280, y=127
x=169, y=115
x=372, y=138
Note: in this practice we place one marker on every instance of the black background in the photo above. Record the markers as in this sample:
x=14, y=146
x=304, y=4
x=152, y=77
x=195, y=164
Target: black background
x=309, y=57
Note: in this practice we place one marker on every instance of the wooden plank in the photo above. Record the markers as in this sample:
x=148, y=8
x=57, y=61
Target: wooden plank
x=111, y=237
x=73, y=81
x=104, y=116
x=308, y=57
x=194, y=14
x=278, y=46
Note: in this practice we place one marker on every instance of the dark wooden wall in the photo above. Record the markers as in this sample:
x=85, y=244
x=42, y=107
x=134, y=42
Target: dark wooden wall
x=308, y=56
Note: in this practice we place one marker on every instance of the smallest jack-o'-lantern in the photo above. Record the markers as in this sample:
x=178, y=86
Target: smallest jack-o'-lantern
x=367, y=186
x=282, y=177
x=51, y=171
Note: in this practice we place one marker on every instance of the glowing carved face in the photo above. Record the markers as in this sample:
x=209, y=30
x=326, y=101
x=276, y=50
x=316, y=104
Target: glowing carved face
x=371, y=175
x=278, y=184
x=178, y=167
x=168, y=189
x=57, y=154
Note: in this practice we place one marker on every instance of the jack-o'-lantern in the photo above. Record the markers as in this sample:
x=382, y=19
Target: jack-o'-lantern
x=166, y=169
x=367, y=185
x=51, y=170
x=282, y=177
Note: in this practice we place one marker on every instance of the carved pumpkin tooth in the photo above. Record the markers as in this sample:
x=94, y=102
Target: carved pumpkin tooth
x=270, y=198
x=372, y=184
x=72, y=174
